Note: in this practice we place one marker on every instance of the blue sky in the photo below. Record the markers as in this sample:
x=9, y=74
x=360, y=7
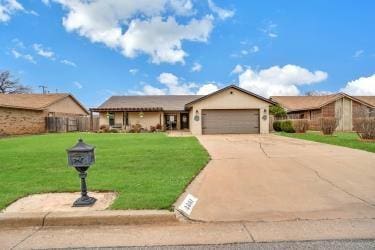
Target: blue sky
x=101, y=48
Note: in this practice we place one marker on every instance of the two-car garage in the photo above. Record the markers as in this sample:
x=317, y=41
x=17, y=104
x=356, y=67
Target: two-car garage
x=230, y=121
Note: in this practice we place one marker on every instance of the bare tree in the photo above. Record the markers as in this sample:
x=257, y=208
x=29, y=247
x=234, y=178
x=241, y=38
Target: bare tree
x=9, y=85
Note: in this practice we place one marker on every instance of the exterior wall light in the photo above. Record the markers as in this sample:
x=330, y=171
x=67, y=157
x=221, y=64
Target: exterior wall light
x=196, y=117
x=264, y=117
x=141, y=114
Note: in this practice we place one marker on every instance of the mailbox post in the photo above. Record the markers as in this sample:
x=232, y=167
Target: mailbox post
x=81, y=157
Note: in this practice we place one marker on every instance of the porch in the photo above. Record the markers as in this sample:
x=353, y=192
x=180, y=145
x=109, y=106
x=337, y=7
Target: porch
x=126, y=120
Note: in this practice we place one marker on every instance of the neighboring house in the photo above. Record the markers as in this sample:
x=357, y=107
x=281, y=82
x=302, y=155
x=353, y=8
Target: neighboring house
x=228, y=110
x=26, y=113
x=343, y=107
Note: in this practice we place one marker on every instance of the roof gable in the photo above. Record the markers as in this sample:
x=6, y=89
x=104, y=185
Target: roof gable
x=34, y=101
x=296, y=103
x=230, y=87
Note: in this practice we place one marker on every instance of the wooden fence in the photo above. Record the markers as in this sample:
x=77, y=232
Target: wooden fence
x=71, y=124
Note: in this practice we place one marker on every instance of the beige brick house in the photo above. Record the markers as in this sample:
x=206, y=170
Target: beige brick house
x=26, y=113
x=345, y=108
x=228, y=110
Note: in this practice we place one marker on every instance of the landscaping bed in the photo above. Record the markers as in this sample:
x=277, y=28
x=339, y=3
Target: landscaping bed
x=345, y=139
x=148, y=171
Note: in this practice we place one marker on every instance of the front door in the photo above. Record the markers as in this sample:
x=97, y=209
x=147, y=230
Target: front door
x=171, y=121
x=185, y=121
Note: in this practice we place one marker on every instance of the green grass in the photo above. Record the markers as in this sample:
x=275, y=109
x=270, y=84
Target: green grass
x=345, y=139
x=148, y=171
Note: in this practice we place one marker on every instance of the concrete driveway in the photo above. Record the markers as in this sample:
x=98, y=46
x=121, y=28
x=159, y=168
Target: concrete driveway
x=274, y=178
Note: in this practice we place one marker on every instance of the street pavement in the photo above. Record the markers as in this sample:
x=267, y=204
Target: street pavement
x=297, y=245
x=186, y=233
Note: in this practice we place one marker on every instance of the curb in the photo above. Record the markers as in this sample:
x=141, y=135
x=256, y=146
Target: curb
x=92, y=218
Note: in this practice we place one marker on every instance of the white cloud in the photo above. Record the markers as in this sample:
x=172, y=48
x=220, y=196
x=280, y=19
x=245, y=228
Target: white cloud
x=9, y=8
x=18, y=43
x=43, y=51
x=162, y=39
x=197, y=67
x=279, y=80
x=137, y=27
x=244, y=52
x=272, y=35
x=33, y=12
x=26, y=57
x=133, y=71
x=69, y=63
x=254, y=49
x=270, y=29
x=222, y=13
x=207, y=89
x=78, y=85
x=358, y=53
x=237, y=69
x=172, y=85
x=182, y=7
x=46, y=2
x=361, y=86
x=150, y=90
x=318, y=93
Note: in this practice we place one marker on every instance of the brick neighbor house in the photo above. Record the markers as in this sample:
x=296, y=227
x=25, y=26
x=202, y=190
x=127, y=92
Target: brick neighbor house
x=26, y=113
x=345, y=108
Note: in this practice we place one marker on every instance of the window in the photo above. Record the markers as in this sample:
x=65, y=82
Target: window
x=111, y=118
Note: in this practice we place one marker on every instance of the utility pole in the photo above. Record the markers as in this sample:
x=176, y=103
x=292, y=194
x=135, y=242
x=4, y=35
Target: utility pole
x=44, y=88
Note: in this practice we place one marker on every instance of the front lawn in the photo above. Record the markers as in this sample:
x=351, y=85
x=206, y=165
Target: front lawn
x=345, y=139
x=148, y=171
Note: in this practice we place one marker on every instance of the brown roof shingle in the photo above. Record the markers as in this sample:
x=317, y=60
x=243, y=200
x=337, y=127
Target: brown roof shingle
x=303, y=102
x=155, y=102
x=368, y=99
x=295, y=103
x=29, y=101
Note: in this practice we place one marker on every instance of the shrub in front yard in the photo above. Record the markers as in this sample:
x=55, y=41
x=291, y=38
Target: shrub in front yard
x=300, y=125
x=277, y=126
x=137, y=128
x=365, y=128
x=159, y=127
x=287, y=126
x=104, y=128
x=328, y=125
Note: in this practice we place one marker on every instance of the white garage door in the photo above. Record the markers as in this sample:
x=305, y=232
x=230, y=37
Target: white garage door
x=230, y=121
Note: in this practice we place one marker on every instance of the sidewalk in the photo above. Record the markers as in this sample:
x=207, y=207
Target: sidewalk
x=185, y=233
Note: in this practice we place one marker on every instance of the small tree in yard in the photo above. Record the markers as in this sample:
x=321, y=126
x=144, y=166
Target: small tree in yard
x=366, y=128
x=9, y=85
x=277, y=111
x=300, y=125
x=328, y=125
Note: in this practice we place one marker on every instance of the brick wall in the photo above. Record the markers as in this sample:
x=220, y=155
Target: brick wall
x=19, y=121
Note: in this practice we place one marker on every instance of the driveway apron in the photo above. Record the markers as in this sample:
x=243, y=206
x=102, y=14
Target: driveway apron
x=273, y=178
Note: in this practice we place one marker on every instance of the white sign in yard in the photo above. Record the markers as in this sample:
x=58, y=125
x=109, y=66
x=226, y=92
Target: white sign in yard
x=188, y=204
